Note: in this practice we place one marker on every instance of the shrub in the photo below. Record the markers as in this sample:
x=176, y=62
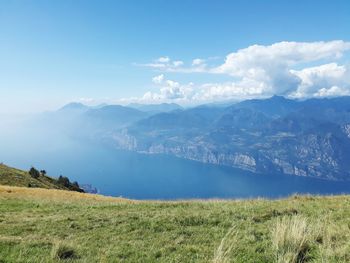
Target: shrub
x=34, y=172
x=75, y=184
x=62, y=180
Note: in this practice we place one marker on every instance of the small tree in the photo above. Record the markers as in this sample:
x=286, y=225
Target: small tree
x=34, y=172
x=62, y=180
x=43, y=172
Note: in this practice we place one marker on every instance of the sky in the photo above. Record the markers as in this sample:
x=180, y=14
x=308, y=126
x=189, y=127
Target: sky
x=184, y=51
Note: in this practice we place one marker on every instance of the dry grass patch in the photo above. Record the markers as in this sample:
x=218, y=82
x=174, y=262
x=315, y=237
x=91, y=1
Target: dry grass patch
x=227, y=244
x=292, y=238
x=54, y=195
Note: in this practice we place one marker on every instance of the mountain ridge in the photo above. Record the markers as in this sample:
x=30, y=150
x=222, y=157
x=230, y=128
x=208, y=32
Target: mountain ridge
x=275, y=135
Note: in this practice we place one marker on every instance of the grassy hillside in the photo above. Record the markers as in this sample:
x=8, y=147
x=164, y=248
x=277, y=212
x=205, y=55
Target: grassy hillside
x=40, y=225
x=15, y=177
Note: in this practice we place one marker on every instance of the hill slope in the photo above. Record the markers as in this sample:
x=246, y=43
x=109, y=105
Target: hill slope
x=15, y=177
x=39, y=225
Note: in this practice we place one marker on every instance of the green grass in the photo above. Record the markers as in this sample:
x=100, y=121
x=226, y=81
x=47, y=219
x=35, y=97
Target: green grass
x=15, y=177
x=38, y=225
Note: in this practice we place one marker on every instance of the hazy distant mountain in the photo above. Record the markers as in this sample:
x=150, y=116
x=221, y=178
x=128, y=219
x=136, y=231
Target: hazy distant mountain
x=275, y=135
x=112, y=116
x=74, y=106
x=81, y=121
x=99, y=106
x=115, y=113
x=156, y=108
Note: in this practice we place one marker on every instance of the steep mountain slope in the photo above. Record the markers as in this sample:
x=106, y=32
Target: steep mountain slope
x=15, y=177
x=276, y=135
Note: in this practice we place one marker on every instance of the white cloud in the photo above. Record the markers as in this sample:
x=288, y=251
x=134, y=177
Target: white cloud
x=332, y=92
x=260, y=71
x=173, y=91
x=158, y=79
x=198, y=61
x=178, y=63
x=163, y=59
x=271, y=64
x=322, y=80
x=229, y=90
x=169, y=91
x=258, y=57
x=159, y=66
x=165, y=64
x=161, y=63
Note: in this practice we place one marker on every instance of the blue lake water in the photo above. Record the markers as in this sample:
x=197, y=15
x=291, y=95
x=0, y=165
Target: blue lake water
x=139, y=176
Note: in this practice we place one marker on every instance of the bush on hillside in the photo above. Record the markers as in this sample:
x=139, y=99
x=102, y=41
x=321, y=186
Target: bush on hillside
x=34, y=172
x=63, y=180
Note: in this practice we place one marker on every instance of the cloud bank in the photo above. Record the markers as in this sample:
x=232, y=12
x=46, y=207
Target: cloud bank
x=282, y=68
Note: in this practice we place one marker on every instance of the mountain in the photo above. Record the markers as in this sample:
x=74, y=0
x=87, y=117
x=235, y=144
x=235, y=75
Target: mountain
x=74, y=106
x=15, y=177
x=80, y=121
x=156, y=108
x=102, y=112
x=113, y=115
x=198, y=117
x=274, y=135
x=276, y=106
x=78, y=118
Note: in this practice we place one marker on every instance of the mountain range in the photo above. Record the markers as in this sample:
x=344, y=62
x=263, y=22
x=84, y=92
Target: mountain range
x=274, y=135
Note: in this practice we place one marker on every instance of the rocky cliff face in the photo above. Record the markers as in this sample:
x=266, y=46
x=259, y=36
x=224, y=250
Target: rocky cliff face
x=311, y=156
x=291, y=141
x=346, y=130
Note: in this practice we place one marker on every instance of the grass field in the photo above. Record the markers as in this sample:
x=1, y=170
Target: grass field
x=40, y=225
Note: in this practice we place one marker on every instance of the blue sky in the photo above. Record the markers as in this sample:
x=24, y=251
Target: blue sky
x=54, y=52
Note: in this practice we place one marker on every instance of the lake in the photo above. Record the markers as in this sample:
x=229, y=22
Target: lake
x=139, y=176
